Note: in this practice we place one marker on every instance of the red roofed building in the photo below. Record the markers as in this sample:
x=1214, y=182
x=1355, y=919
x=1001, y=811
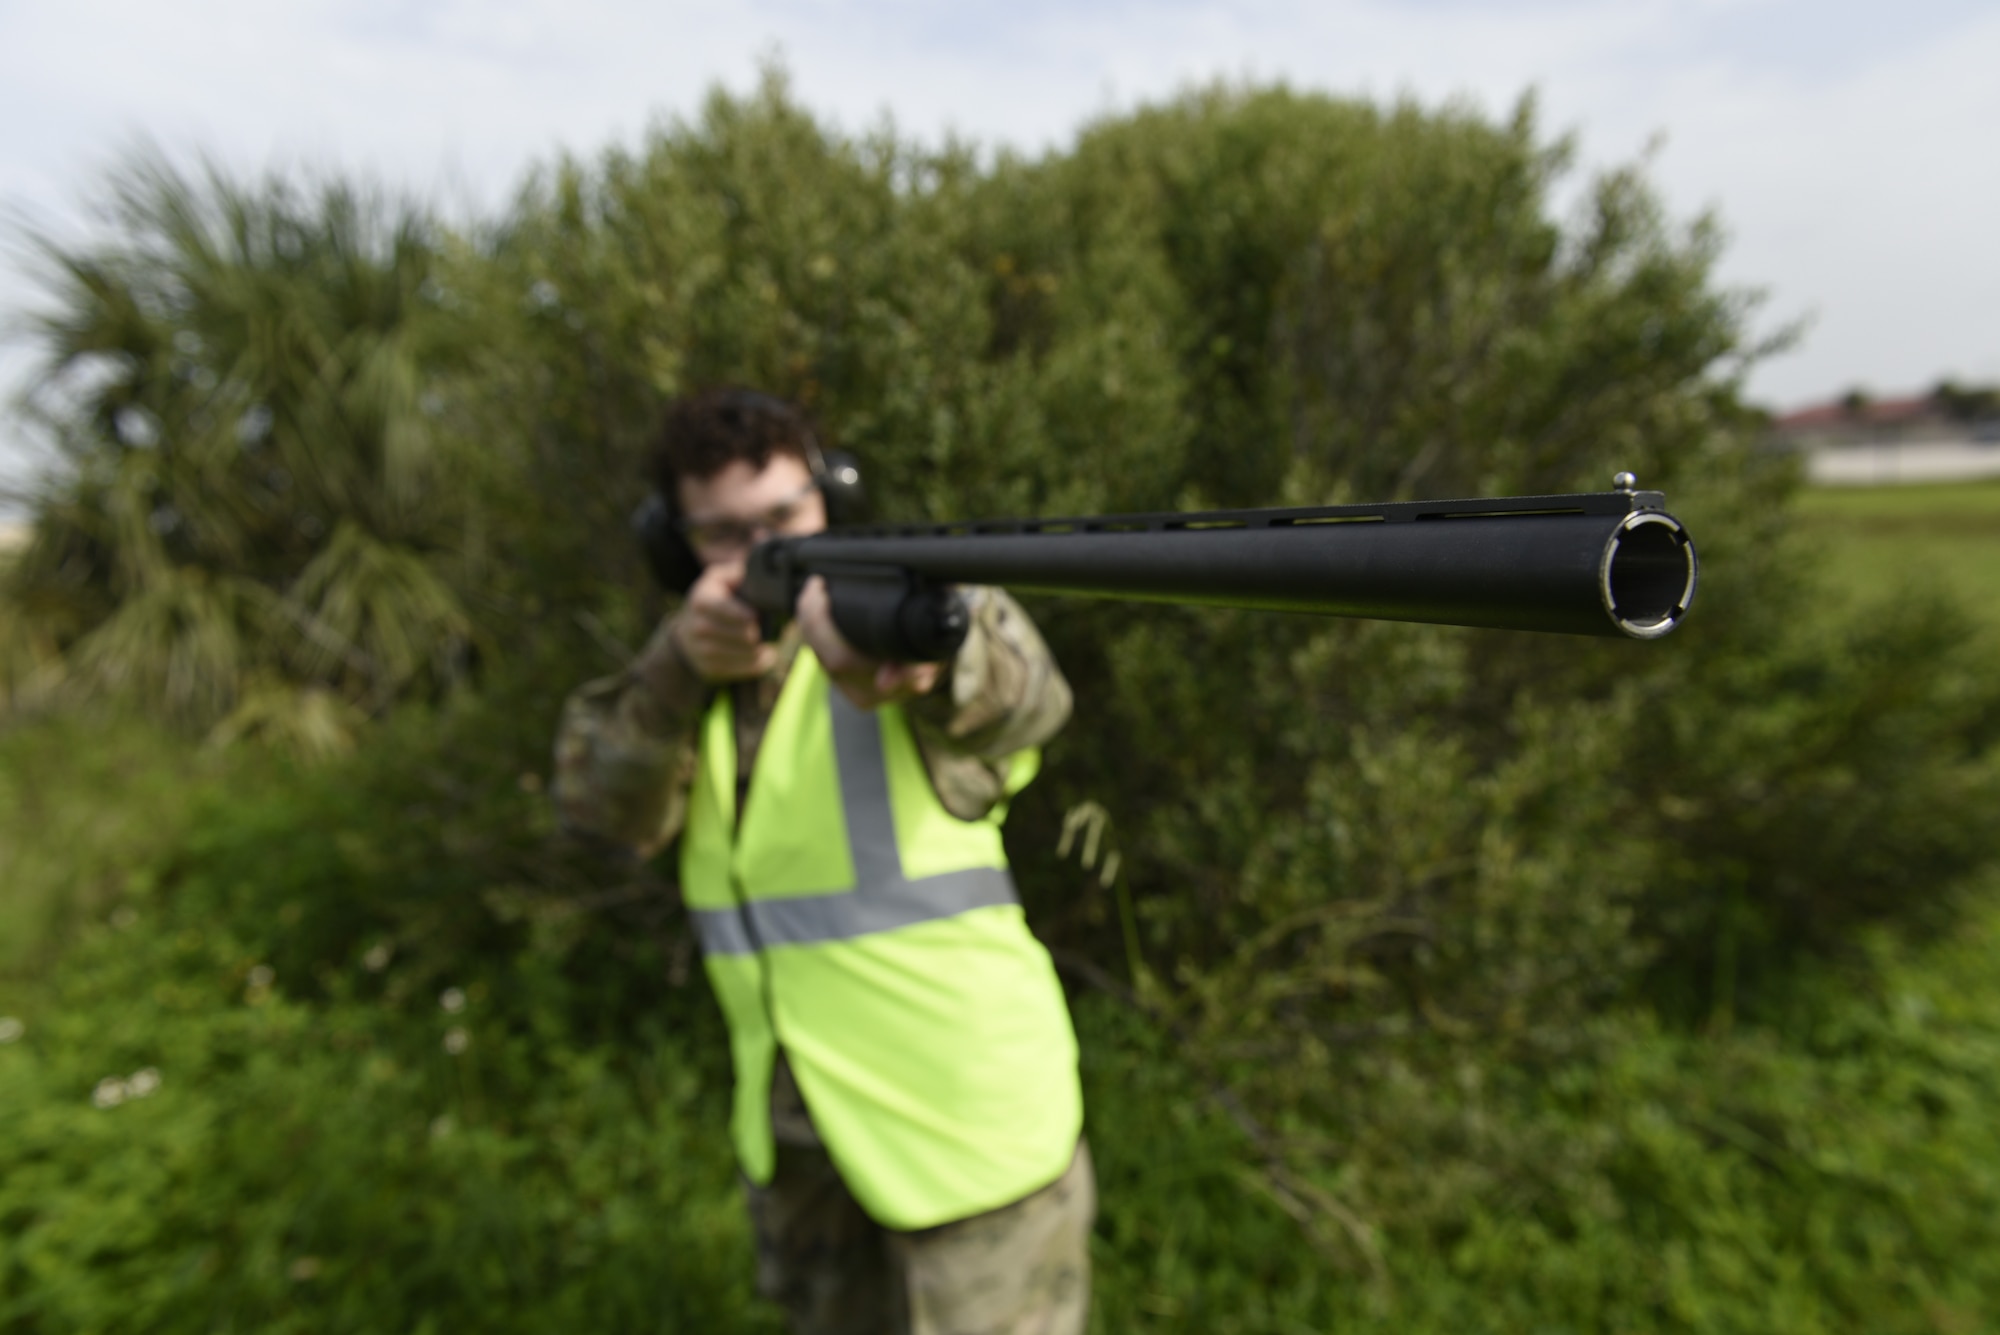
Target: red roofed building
x=1946, y=415
x=1949, y=434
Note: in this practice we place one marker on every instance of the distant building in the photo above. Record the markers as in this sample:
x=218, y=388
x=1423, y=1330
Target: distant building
x=1948, y=434
x=1857, y=421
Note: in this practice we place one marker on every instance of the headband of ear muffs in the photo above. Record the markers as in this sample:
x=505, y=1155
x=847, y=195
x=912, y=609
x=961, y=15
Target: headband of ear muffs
x=656, y=523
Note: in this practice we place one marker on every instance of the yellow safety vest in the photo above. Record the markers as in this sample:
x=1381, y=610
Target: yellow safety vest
x=849, y=917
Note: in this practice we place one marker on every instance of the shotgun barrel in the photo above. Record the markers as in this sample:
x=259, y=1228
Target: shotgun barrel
x=1594, y=563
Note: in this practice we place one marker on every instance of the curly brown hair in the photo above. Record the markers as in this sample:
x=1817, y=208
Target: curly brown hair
x=706, y=432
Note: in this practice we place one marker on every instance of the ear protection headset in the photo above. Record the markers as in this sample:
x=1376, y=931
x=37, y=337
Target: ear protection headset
x=657, y=521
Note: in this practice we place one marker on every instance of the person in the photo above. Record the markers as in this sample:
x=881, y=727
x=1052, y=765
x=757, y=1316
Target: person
x=907, y=1113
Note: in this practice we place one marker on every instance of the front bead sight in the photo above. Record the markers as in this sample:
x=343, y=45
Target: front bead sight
x=1647, y=576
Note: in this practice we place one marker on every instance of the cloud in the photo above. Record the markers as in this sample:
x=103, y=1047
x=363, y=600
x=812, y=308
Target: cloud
x=1844, y=144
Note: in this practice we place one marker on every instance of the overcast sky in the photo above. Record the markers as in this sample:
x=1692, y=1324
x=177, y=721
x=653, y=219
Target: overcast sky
x=1849, y=148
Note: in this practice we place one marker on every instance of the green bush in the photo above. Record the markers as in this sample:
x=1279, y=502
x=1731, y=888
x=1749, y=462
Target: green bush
x=314, y=1154
x=91, y=802
x=1835, y=1171
x=253, y=1162
x=258, y=515
x=309, y=1075
x=1443, y=979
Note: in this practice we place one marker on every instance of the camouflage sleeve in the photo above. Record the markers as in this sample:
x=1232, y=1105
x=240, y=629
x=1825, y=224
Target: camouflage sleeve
x=1005, y=693
x=625, y=750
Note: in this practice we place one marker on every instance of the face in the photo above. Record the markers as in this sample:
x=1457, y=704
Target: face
x=725, y=515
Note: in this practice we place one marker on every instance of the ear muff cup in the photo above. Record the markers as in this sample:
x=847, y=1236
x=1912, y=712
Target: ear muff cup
x=839, y=476
x=672, y=562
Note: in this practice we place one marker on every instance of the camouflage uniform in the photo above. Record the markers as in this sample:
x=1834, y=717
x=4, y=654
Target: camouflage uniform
x=625, y=758
x=1023, y=1268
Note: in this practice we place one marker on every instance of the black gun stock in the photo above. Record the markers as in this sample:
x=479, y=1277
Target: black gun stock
x=1593, y=563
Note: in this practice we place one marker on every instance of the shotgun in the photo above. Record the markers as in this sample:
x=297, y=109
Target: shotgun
x=1593, y=563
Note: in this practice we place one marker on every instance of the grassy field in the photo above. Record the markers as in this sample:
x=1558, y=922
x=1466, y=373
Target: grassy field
x=1879, y=540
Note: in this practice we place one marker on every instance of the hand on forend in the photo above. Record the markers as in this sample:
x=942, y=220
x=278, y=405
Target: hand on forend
x=866, y=682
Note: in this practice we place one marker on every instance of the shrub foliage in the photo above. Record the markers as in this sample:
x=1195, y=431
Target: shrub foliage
x=1414, y=931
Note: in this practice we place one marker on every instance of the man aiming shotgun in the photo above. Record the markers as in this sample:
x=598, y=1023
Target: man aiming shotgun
x=907, y=1112
x=832, y=724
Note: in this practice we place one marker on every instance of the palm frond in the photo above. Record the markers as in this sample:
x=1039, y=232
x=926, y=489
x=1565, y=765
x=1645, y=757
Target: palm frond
x=236, y=381
x=184, y=642
x=383, y=602
x=312, y=722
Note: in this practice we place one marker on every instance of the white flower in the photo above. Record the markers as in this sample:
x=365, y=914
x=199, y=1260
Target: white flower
x=441, y=1126
x=304, y=1268
x=452, y=999
x=143, y=1082
x=455, y=1039
x=378, y=957
x=110, y=1092
x=11, y=1029
x=262, y=976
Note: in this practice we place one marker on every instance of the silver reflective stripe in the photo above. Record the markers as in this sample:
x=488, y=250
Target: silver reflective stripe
x=864, y=793
x=722, y=931
x=813, y=919
x=883, y=898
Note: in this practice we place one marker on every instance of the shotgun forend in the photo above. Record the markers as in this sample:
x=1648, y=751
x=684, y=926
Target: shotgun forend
x=1594, y=563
